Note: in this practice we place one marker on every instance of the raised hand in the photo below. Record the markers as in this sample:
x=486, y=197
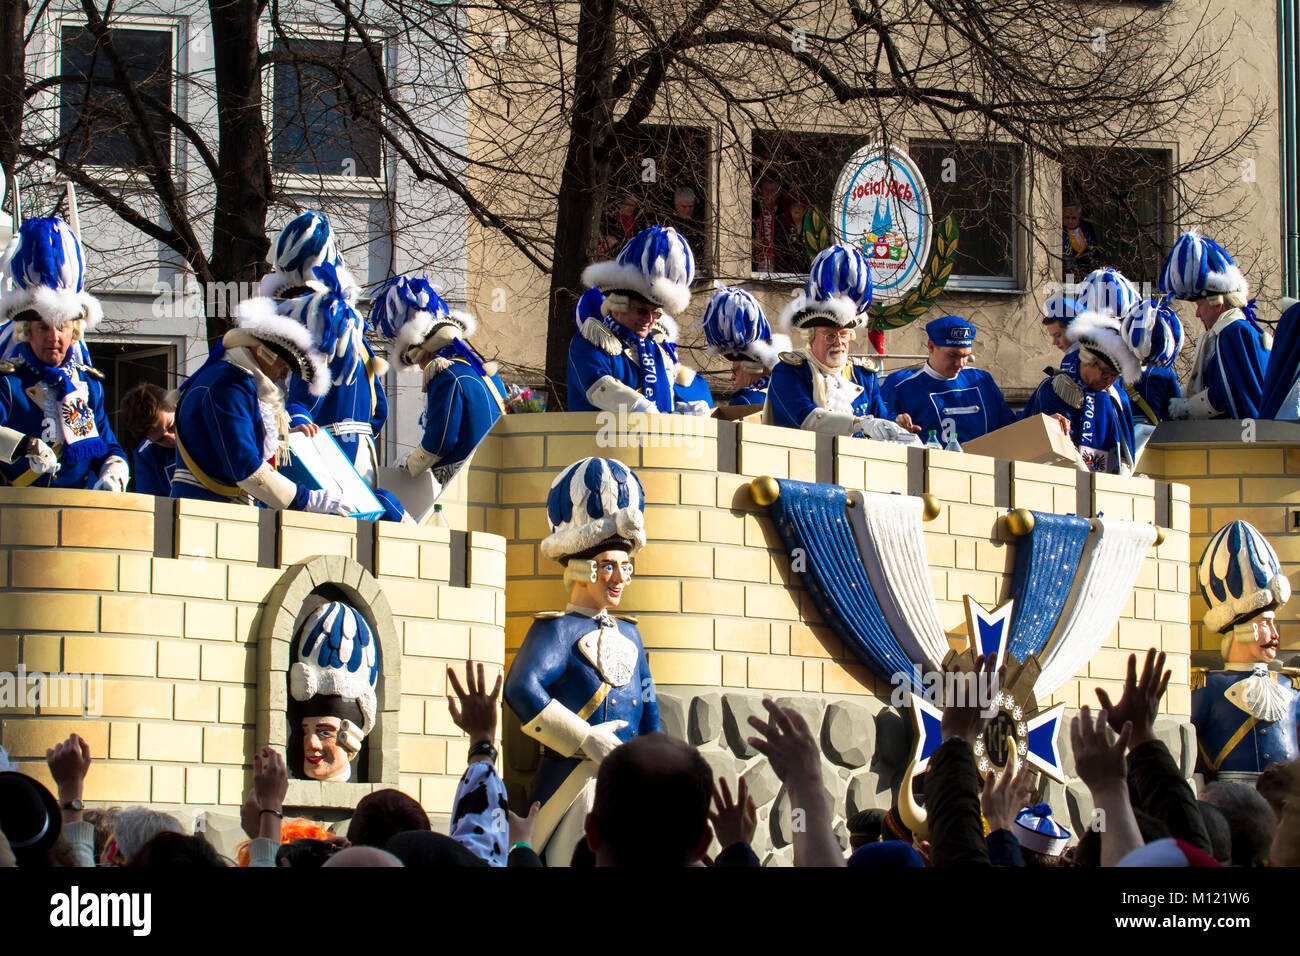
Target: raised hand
x=733, y=822
x=1099, y=763
x=967, y=718
x=477, y=711
x=1141, y=699
x=1004, y=796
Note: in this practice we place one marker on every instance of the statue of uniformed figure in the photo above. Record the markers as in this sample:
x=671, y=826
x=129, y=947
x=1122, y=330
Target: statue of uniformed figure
x=1245, y=716
x=336, y=666
x=580, y=683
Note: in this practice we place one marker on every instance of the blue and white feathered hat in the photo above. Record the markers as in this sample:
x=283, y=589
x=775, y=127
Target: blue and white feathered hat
x=1197, y=267
x=1101, y=333
x=1037, y=831
x=47, y=268
x=334, y=325
x=337, y=655
x=1153, y=331
x=588, y=307
x=737, y=329
x=416, y=319
x=263, y=321
x=837, y=293
x=1107, y=292
x=1240, y=577
x=305, y=245
x=1060, y=308
x=595, y=505
x=656, y=264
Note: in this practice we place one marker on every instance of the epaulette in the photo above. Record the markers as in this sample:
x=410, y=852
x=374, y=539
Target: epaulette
x=865, y=361
x=7, y=368
x=436, y=366
x=626, y=617
x=90, y=370
x=548, y=615
x=594, y=331
x=1067, y=390
x=1198, y=677
x=1293, y=673
x=791, y=358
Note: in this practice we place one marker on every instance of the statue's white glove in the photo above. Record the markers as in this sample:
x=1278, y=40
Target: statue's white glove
x=113, y=476
x=41, y=458
x=324, y=502
x=698, y=407
x=601, y=739
x=881, y=429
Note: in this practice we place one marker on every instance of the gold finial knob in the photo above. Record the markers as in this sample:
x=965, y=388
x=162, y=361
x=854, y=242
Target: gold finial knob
x=929, y=506
x=1160, y=536
x=765, y=490
x=1020, y=522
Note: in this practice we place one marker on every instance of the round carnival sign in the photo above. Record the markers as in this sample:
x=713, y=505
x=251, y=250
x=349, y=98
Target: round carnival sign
x=883, y=208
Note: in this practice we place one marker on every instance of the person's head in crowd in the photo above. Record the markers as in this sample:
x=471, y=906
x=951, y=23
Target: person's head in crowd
x=768, y=193
x=1071, y=213
x=305, y=853
x=830, y=345
x=798, y=207
x=29, y=818
x=293, y=830
x=132, y=829
x=382, y=815
x=1250, y=820
x=950, y=342
x=1088, y=850
x=1042, y=838
x=865, y=827
x=363, y=856
x=429, y=850
x=168, y=850
x=582, y=855
x=884, y=855
x=626, y=208
x=1273, y=784
x=146, y=413
x=1058, y=312
x=652, y=805
x=684, y=202
x=1220, y=835
x=103, y=820
x=1097, y=370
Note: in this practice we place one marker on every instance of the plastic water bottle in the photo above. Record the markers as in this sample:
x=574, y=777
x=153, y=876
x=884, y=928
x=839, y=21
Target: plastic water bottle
x=953, y=443
x=932, y=439
x=439, y=519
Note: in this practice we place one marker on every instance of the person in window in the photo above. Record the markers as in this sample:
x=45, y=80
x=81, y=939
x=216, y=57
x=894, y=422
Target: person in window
x=736, y=329
x=618, y=227
x=685, y=220
x=791, y=255
x=54, y=431
x=943, y=394
x=818, y=387
x=1227, y=378
x=767, y=225
x=615, y=363
x=149, y=422
x=1079, y=245
x=1100, y=417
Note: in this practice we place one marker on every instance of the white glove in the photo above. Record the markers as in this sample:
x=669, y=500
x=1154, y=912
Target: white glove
x=644, y=404
x=882, y=429
x=41, y=458
x=113, y=476
x=1178, y=407
x=601, y=740
x=699, y=407
x=324, y=502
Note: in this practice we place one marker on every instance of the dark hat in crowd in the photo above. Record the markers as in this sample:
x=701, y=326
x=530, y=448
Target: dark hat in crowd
x=29, y=817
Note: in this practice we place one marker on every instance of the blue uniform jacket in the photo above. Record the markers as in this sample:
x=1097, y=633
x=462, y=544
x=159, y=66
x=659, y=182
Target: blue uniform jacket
x=356, y=397
x=791, y=393
x=153, y=468
x=591, y=361
x=1234, y=365
x=1218, y=720
x=219, y=423
x=1158, y=387
x=460, y=409
x=550, y=666
x=697, y=391
x=970, y=404
x=756, y=394
x=1101, y=423
x=19, y=411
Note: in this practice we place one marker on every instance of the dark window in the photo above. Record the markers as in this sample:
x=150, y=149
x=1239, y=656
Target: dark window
x=794, y=178
x=978, y=185
x=93, y=117
x=659, y=177
x=320, y=128
x=127, y=364
x=1121, y=199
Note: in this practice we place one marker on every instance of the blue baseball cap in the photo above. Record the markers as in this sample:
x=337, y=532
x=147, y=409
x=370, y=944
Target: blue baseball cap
x=1059, y=308
x=951, y=331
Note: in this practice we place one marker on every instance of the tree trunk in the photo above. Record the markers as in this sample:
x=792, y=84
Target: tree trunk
x=586, y=172
x=13, y=75
x=243, y=185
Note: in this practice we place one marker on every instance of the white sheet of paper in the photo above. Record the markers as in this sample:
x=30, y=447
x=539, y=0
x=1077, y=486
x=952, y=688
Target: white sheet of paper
x=323, y=465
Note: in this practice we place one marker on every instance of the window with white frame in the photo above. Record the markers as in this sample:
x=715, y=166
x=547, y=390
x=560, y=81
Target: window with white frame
x=322, y=122
x=979, y=185
x=94, y=119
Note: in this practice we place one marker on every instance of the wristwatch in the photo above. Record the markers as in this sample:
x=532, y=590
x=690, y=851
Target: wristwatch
x=72, y=805
x=481, y=748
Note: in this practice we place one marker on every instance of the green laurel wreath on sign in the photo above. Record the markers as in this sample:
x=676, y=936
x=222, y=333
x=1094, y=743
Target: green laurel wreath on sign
x=917, y=302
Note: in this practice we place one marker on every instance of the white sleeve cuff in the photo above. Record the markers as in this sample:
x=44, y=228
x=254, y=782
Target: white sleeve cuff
x=559, y=728
x=610, y=395
x=826, y=422
x=270, y=487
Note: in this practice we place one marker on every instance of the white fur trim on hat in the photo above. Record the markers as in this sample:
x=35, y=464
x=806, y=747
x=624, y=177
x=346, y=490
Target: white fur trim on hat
x=56, y=307
x=768, y=353
x=661, y=291
x=801, y=310
x=259, y=319
x=666, y=327
x=431, y=334
x=629, y=523
x=1101, y=333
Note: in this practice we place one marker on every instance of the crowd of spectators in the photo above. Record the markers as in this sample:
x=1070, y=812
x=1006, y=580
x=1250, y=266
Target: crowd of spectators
x=658, y=804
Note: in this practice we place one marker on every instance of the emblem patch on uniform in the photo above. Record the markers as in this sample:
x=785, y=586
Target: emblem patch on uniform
x=78, y=418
